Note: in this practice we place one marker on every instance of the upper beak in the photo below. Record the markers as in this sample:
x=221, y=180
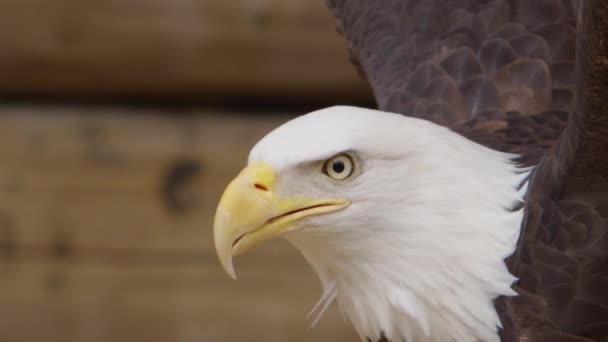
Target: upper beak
x=250, y=212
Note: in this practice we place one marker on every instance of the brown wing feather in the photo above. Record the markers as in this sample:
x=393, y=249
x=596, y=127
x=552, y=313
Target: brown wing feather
x=447, y=61
x=503, y=74
x=563, y=262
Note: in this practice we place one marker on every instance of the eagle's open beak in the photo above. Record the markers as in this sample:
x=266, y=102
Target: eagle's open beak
x=250, y=213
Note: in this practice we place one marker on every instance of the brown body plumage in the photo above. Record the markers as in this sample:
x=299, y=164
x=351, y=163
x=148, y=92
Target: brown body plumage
x=524, y=76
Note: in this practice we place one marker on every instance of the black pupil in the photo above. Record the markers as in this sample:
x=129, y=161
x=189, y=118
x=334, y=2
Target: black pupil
x=338, y=166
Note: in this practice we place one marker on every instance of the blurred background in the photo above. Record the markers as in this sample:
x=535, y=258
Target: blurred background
x=121, y=121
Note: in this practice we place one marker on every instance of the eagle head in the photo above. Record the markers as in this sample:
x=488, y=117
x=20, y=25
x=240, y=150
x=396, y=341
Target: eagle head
x=406, y=223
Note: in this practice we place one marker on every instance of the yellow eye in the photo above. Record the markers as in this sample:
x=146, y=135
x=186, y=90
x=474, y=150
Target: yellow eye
x=339, y=167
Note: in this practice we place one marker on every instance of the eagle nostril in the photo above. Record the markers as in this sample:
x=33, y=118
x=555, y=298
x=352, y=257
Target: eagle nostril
x=260, y=187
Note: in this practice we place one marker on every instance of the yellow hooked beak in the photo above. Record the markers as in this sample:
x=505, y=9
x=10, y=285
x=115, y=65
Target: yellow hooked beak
x=250, y=212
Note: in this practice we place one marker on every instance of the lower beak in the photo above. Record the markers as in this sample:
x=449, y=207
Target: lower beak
x=250, y=213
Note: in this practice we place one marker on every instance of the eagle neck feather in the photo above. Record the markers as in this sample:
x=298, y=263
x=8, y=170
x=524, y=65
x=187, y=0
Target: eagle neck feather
x=429, y=265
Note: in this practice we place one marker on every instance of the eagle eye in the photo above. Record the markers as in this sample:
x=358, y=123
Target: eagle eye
x=339, y=167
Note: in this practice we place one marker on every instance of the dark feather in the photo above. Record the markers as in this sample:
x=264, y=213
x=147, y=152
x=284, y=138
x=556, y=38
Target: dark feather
x=517, y=76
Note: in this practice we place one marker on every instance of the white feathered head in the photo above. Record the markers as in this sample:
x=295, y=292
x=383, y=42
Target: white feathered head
x=405, y=222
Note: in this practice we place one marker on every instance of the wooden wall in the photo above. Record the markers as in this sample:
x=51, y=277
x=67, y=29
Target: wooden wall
x=105, y=232
x=203, y=48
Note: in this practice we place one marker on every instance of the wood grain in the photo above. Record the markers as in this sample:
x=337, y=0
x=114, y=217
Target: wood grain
x=80, y=301
x=105, y=232
x=101, y=180
x=168, y=48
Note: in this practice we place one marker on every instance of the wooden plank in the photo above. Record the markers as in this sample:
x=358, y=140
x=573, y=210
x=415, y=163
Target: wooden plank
x=92, y=249
x=75, y=301
x=119, y=181
x=174, y=47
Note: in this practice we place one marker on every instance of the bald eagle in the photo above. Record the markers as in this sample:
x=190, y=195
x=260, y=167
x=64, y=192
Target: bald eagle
x=473, y=205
